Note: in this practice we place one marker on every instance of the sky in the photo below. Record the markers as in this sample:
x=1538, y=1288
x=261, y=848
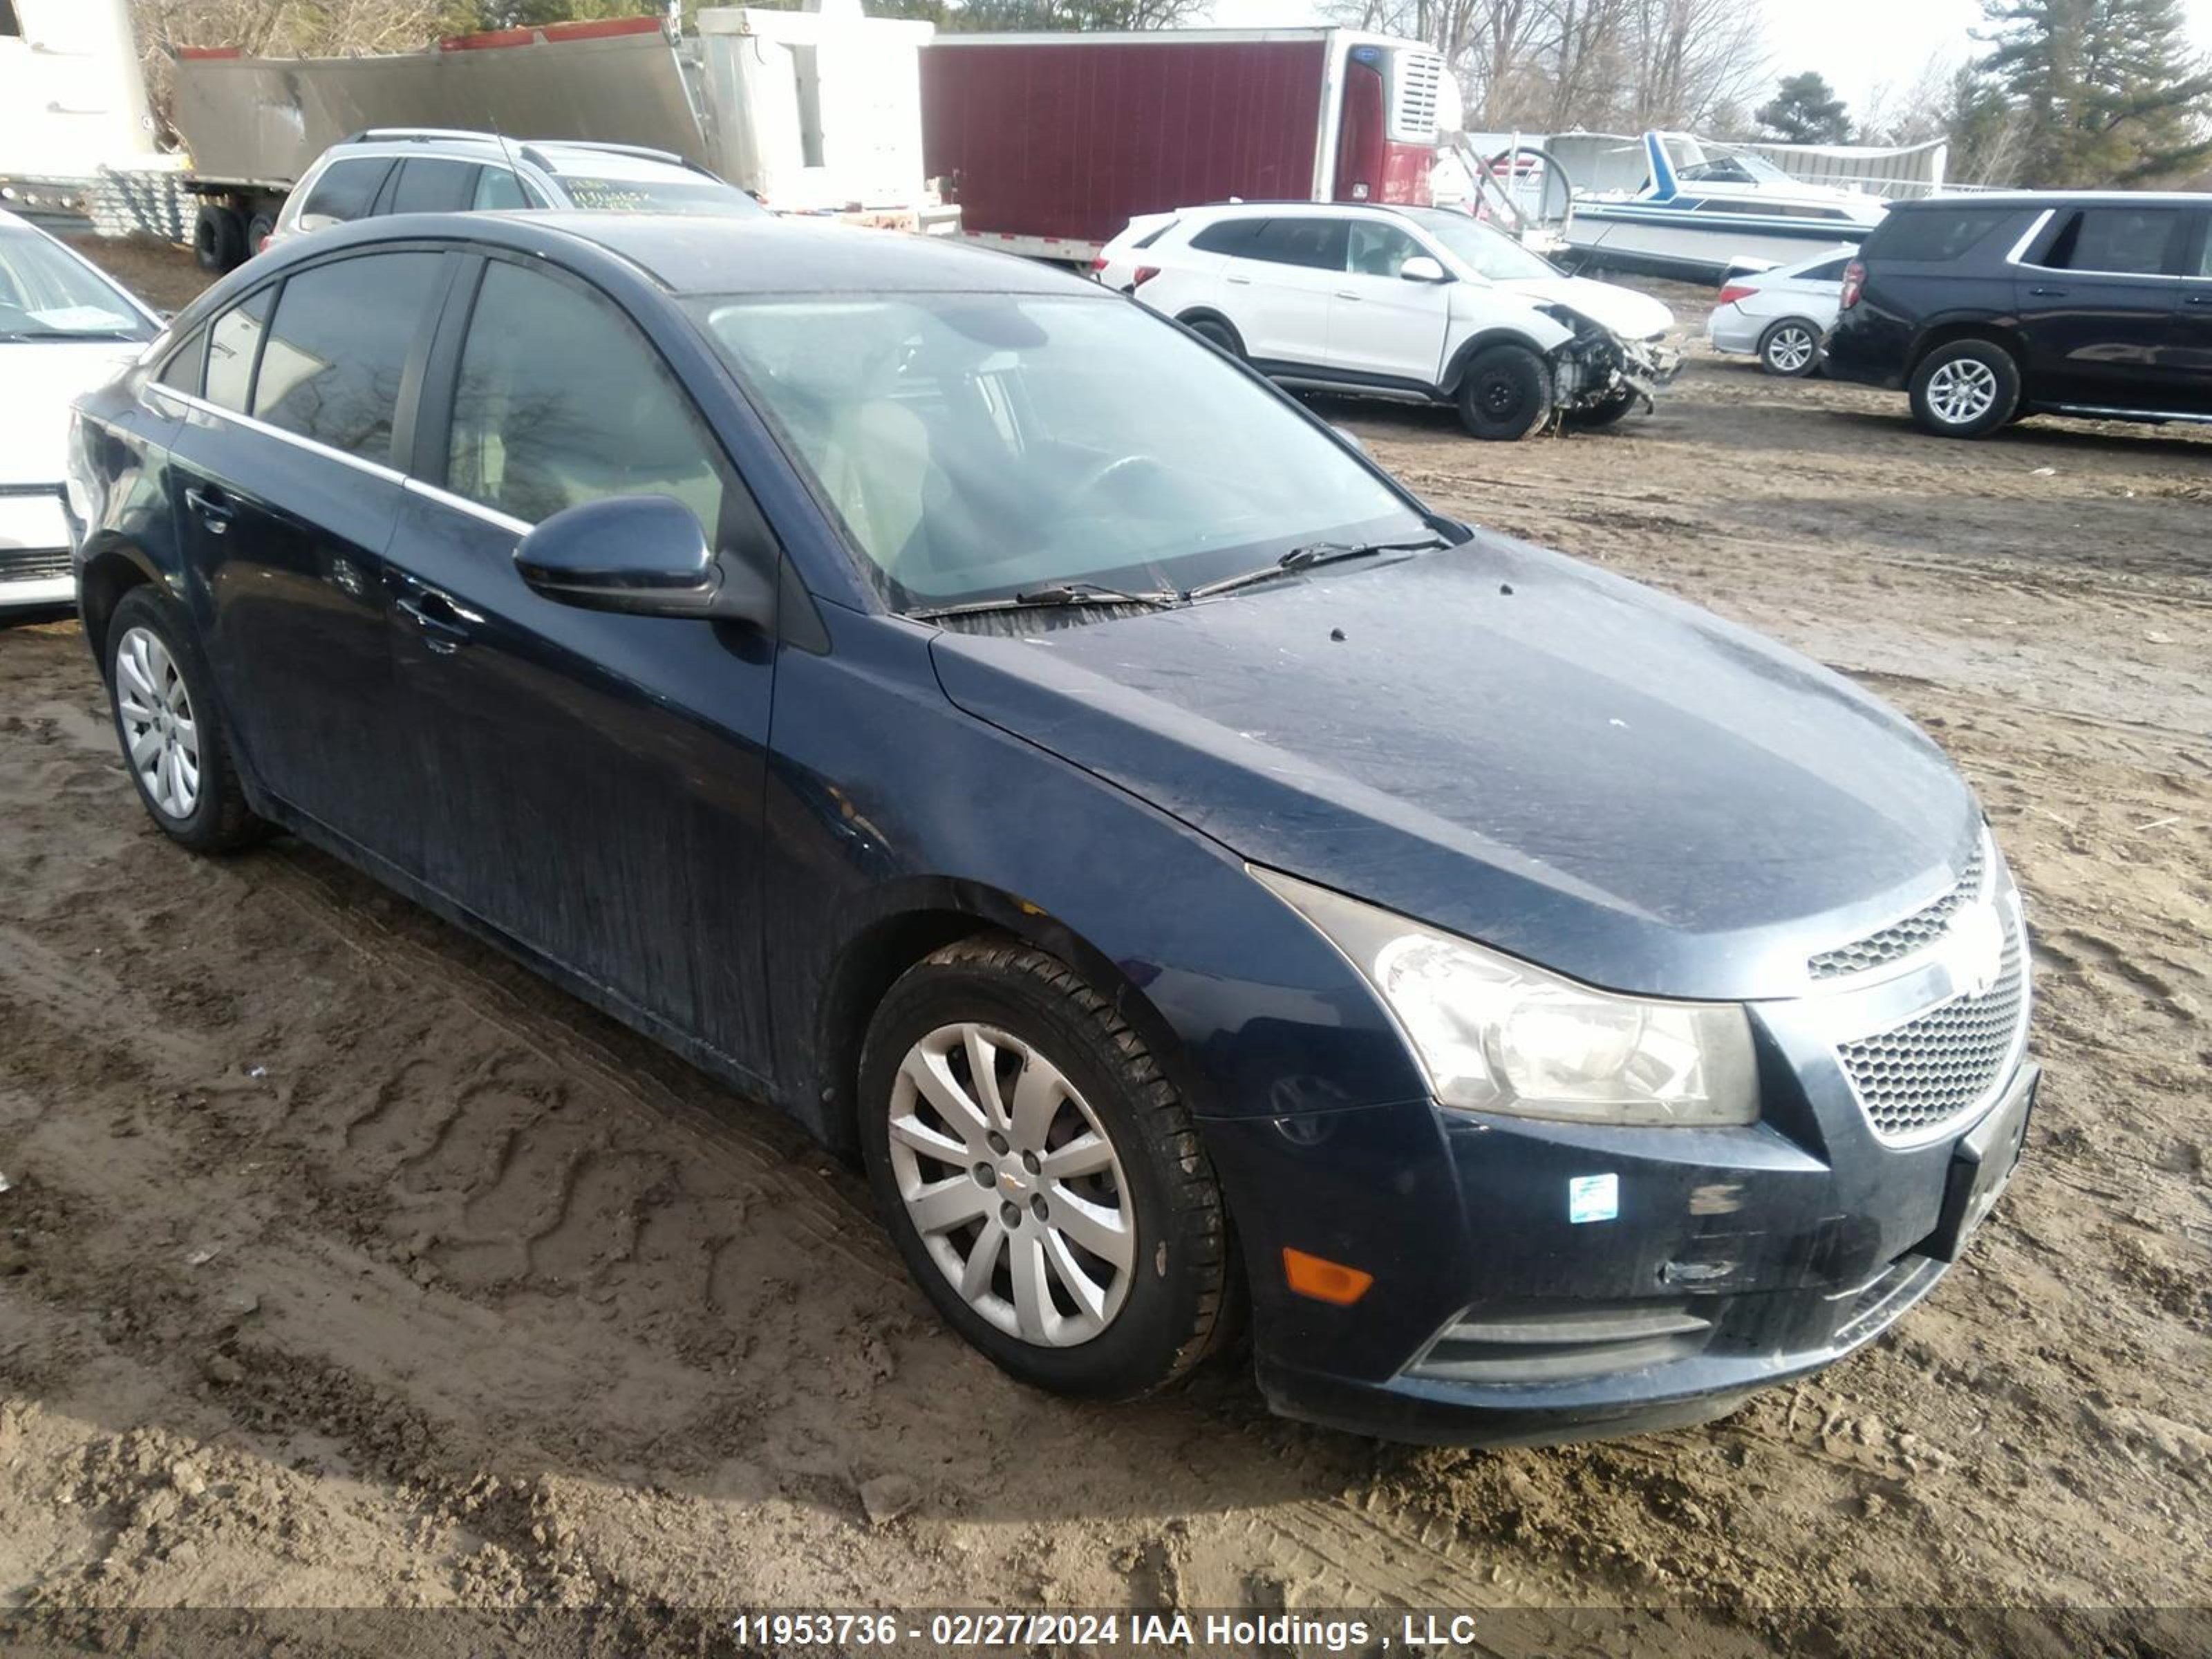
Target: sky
x=1859, y=44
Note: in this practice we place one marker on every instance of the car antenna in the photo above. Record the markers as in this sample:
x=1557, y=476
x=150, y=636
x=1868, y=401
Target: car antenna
x=507, y=150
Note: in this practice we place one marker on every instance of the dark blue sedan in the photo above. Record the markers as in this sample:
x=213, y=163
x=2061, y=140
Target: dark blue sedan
x=1202, y=884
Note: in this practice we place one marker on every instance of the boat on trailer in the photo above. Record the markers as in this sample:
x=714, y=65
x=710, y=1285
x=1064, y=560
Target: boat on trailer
x=1702, y=215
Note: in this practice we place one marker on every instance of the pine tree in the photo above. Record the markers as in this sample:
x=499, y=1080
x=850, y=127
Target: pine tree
x=1805, y=110
x=2110, y=93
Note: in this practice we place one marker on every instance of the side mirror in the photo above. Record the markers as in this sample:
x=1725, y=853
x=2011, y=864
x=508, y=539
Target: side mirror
x=642, y=554
x=1422, y=269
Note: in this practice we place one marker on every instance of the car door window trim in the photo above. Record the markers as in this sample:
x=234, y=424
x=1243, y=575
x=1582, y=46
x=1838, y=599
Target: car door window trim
x=374, y=468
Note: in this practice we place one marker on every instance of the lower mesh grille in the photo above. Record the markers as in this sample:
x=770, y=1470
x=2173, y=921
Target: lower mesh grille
x=32, y=564
x=1930, y=1070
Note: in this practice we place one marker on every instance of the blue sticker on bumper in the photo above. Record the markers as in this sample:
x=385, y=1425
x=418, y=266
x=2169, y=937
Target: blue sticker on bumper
x=1593, y=1198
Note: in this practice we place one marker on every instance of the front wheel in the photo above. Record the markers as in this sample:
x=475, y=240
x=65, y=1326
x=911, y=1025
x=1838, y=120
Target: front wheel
x=1593, y=417
x=173, y=743
x=1967, y=389
x=1040, y=1176
x=1505, y=394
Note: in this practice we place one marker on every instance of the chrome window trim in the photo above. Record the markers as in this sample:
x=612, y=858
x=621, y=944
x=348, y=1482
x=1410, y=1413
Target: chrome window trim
x=463, y=504
x=375, y=469
x=2019, y=254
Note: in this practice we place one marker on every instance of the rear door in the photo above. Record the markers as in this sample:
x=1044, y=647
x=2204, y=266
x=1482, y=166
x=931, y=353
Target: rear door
x=1279, y=293
x=594, y=782
x=1382, y=326
x=287, y=493
x=431, y=184
x=2097, y=296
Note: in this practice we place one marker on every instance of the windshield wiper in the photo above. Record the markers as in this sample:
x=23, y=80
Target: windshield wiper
x=1305, y=558
x=1060, y=596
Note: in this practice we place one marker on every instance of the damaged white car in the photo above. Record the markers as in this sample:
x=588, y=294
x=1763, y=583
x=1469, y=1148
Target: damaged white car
x=1407, y=302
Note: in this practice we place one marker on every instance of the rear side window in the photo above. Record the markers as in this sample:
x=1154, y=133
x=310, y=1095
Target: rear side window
x=429, y=186
x=1935, y=234
x=1831, y=272
x=1227, y=236
x=345, y=190
x=233, y=343
x=1318, y=243
x=182, y=372
x=337, y=347
x=2128, y=240
x=537, y=430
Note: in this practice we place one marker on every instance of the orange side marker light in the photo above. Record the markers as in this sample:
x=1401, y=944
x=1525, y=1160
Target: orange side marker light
x=1324, y=1280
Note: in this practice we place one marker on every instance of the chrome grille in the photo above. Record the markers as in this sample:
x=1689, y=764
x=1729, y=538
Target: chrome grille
x=1921, y=1074
x=32, y=564
x=1901, y=939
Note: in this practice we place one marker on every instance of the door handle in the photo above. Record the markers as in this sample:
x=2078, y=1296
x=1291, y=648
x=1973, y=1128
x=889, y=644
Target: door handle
x=2198, y=300
x=433, y=613
x=215, y=512
x=1240, y=281
x=1346, y=294
x=2048, y=293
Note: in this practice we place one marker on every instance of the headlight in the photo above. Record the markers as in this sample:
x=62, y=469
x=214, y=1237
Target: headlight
x=1496, y=1035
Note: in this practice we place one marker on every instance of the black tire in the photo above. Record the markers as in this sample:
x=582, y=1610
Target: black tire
x=1174, y=1307
x=1791, y=347
x=218, y=238
x=1965, y=363
x=1506, y=393
x=219, y=821
x=1218, y=335
x=263, y=226
x=1596, y=416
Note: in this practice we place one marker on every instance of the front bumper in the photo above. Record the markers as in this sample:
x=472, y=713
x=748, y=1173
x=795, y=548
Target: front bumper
x=34, y=548
x=1720, y=1263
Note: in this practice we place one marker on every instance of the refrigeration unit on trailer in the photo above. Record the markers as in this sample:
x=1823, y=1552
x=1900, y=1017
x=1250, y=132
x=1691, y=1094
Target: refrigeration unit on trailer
x=1052, y=143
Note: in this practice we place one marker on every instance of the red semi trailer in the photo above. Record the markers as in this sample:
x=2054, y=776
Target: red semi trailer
x=1051, y=143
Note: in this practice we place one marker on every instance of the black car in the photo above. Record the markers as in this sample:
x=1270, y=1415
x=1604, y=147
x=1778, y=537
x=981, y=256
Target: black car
x=945, y=700
x=1989, y=308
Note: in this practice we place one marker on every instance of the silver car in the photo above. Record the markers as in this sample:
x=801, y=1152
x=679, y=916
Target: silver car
x=1781, y=316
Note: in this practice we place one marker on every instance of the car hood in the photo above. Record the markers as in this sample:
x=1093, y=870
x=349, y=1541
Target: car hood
x=1631, y=315
x=1514, y=747
x=43, y=378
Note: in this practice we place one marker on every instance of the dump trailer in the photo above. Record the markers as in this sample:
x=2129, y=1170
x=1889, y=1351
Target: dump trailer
x=1051, y=143
x=254, y=126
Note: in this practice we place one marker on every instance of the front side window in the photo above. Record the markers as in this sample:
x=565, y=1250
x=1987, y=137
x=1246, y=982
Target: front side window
x=433, y=187
x=233, y=343
x=1379, y=250
x=182, y=372
x=1318, y=244
x=337, y=347
x=536, y=429
x=976, y=445
x=46, y=293
x=2125, y=241
x=344, y=191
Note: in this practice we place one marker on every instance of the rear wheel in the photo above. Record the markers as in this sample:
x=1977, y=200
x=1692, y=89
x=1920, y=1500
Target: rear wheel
x=218, y=238
x=1965, y=389
x=1791, y=348
x=1505, y=394
x=1218, y=335
x=173, y=740
x=1040, y=1176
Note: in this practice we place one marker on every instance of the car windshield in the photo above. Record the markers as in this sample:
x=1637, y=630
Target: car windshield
x=1487, y=252
x=48, y=294
x=982, y=445
x=670, y=192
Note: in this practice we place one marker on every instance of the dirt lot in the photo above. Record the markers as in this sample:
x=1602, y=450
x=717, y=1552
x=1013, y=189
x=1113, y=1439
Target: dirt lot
x=344, y=1265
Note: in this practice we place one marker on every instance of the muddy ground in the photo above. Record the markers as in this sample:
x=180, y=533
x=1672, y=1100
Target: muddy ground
x=344, y=1264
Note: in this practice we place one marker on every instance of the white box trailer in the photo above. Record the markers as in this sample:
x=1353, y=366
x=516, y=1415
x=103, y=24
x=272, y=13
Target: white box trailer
x=72, y=101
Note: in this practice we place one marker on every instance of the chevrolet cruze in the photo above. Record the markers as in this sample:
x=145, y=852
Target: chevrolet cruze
x=1205, y=886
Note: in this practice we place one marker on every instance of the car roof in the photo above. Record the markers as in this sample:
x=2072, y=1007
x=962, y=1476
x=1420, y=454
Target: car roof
x=689, y=253
x=1292, y=210
x=2043, y=198
x=556, y=156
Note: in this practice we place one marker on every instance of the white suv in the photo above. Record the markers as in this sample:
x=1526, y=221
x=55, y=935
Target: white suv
x=428, y=170
x=1404, y=302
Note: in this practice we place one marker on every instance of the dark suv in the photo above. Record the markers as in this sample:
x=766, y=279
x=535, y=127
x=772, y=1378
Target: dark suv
x=1989, y=308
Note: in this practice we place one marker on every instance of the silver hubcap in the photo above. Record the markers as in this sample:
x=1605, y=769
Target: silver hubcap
x=159, y=732
x=1790, y=350
x=1011, y=1182
x=1962, y=391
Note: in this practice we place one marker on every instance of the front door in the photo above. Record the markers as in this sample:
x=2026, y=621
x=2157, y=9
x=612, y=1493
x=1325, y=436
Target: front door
x=288, y=496
x=592, y=782
x=2096, y=307
x=1382, y=326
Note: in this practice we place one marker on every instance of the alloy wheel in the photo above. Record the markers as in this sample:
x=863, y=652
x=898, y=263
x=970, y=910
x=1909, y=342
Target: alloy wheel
x=159, y=730
x=1790, y=350
x=1962, y=391
x=1013, y=1184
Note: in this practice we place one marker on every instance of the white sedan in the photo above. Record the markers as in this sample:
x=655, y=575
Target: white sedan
x=1781, y=316
x=65, y=327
